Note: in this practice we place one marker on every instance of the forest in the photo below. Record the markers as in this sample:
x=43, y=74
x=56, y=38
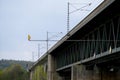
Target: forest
x=14, y=70
x=6, y=63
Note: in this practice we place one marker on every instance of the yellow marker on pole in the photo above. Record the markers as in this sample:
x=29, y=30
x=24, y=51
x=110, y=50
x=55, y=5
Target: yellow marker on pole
x=29, y=37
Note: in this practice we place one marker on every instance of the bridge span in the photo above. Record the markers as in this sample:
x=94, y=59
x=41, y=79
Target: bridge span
x=90, y=51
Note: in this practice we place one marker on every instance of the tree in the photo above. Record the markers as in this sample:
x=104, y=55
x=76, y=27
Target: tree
x=0, y=74
x=14, y=72
x=39, y=73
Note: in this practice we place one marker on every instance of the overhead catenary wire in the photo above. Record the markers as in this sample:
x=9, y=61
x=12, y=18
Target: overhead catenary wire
x=56, y=35
x=77, y=40
x=76, y=9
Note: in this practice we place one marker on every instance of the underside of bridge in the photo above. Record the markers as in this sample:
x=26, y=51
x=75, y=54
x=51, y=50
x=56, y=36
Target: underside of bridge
x=65, y=74
x=94, y=53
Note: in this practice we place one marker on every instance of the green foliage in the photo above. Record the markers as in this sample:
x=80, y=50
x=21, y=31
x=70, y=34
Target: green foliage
x=6, y=63
x=14, y=72
x=39, y=73
x=0, y=74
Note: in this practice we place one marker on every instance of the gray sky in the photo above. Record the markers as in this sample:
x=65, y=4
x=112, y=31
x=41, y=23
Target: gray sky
x=18, y=18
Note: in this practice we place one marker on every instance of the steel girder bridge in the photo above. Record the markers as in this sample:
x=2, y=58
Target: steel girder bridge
x=91, y=50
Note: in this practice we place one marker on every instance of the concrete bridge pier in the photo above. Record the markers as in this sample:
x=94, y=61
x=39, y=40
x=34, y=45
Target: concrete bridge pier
x=31, y=74
x=81, y=72
x=52, y=74
x=96, y=73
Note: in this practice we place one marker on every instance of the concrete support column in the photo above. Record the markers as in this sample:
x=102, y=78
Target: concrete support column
x=80, y=72
x=97, y=73
x=52, y=74
x=74, y=72
x=50, y=67
x=31, y=74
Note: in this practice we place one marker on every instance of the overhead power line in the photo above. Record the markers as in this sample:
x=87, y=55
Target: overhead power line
x=76, y=9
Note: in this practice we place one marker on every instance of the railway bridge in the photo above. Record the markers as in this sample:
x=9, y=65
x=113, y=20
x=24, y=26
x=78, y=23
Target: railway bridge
x=90, y=51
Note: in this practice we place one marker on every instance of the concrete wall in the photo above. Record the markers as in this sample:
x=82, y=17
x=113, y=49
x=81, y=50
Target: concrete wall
x=80, y=72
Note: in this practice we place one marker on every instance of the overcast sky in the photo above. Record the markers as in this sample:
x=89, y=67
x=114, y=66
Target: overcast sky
x=18, y=18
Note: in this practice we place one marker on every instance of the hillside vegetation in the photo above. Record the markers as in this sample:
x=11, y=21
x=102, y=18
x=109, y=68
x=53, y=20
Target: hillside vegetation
x=6, y=63
x=14, y=70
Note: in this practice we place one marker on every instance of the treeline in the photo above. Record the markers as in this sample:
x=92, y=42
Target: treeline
x=14, y=72
x=7, y=63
